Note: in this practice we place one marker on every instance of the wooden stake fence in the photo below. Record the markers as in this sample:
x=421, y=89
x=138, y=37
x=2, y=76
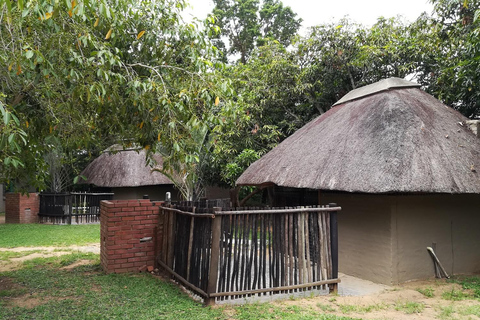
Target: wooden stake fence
x=231, y=254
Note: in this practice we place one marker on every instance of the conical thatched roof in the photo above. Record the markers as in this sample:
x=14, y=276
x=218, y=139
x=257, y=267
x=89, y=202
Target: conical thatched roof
x=387, y=137
x=123, y=168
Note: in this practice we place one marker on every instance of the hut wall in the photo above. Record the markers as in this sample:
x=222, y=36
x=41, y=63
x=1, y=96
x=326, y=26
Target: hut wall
x=156, y=193
x=449, y=223
x=383, y=238
x=364, y=232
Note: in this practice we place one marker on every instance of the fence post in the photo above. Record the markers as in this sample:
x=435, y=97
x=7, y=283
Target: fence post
x=215, y=255
x=171, y=239
x=334, y=246
x=190, y=245
x=69, y=203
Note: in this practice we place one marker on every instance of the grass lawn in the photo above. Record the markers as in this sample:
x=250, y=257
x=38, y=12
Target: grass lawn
x=53, y=288
x=29, y=235
x=73, y=286
x=44, y=289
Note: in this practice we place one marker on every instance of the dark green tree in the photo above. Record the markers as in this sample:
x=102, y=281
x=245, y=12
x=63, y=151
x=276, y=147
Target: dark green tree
x=451, y=73
x=246, y=24
x=81, y=75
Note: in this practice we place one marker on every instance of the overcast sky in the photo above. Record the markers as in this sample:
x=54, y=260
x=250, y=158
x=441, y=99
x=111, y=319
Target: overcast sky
x=314, y=12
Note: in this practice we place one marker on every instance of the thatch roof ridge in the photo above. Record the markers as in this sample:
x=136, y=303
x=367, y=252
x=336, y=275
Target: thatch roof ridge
x=119, y=167
x=373, y=88
x=398, y=140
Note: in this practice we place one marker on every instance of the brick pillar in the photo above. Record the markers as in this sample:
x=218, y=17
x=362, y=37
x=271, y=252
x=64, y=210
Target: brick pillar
x=21, y=208
x=125, y=226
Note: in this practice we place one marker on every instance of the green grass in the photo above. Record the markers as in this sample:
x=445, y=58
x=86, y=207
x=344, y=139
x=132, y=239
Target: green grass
x=349, y=308
x=325, y=307
x=85, y=292
x=470, y=310
x=456, y=295
x=427, y=292
x=410, y=307
x=7, y=255
x=269, y=311
x=446, y=313
x=469, y=283
x=28, y=235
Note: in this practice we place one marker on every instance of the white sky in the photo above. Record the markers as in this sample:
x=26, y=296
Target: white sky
x=314, y=12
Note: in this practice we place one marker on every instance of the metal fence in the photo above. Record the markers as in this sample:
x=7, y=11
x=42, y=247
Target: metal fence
x=224, y=254
x=68, y=208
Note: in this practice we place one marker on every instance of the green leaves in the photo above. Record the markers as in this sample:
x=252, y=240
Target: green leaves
x=247, y=25
x=89, y=74
x=12, y=138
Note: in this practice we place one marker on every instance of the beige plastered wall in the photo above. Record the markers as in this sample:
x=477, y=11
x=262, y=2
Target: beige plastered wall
x=364, y=235
x=384, y=238
x=449, y=223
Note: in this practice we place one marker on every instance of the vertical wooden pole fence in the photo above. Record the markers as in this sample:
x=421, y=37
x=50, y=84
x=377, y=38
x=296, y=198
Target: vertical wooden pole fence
x=214, y=259
x=233, y=254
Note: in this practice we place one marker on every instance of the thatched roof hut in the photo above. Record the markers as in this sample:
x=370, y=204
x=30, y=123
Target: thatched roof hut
x=386, y=137
x=117, y=167
x=403, y=166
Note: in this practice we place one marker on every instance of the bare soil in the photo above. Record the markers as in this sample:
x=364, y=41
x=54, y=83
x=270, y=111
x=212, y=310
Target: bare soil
x=399, y=303
x=45, y=252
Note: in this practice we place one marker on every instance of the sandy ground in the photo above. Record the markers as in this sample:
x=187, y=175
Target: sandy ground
x=402, y=302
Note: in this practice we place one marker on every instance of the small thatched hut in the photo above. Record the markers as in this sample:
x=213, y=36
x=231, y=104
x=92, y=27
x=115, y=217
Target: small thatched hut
x=127, y=174
x=403, y=167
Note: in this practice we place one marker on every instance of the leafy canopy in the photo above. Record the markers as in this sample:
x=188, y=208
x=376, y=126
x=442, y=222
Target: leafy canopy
x=247, y=24
x=82, y=75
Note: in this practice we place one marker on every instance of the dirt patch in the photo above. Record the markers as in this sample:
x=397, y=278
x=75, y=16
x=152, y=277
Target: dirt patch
x=399, y=303
x=39, y=255
x=9, y=266
x=31, y=301
x=7, y=284
x=14, y=299
x=26, y=302
x=45, y=252
x=76, y=264
x=2, y=218
x=93, y=248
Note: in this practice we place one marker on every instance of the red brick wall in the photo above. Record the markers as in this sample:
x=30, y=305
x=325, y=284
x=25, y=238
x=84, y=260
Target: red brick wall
x=21, y=208
x=122, y=224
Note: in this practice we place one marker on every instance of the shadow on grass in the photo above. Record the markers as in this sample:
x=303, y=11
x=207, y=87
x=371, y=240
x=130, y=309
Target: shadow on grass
x=45, y=289
x=41, y=290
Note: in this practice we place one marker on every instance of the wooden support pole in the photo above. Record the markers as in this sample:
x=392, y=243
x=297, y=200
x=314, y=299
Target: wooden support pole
x=171, y=239
x=190, y=245
x=214, y=258
x=334, y=246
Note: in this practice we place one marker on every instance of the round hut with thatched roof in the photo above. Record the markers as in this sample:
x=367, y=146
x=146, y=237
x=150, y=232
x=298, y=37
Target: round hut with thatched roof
x=128, y=175
x=404, y=168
